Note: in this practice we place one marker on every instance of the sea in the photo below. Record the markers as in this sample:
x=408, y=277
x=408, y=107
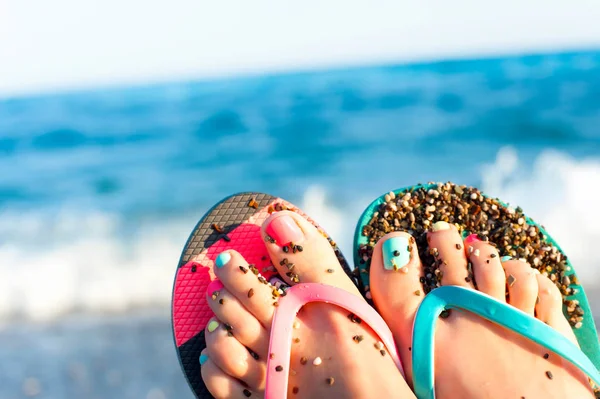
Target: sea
x=99, y=189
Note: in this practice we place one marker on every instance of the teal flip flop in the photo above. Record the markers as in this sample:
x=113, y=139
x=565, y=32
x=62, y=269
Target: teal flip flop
x=414, y=209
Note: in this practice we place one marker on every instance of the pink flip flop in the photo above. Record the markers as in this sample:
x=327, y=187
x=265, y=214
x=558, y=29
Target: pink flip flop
x=234, y=223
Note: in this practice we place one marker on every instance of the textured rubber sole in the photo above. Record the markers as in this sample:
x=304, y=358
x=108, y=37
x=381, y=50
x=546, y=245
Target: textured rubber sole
x=234, y=223
x=587, y=335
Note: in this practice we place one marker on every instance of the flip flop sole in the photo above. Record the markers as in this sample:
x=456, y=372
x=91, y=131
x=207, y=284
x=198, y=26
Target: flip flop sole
x=234, y=223
x=365, y=239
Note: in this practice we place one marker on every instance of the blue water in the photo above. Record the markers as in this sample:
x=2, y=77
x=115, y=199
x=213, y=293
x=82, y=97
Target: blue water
x=174, y=146
x=100, y=188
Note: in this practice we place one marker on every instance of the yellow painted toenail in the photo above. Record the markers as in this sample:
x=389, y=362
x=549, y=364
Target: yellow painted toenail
x=212, y=326
x=441, y=225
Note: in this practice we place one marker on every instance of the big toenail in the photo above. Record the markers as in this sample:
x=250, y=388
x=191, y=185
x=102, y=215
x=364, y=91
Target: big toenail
x=203, y=359
x=396, y=253
x=223, y=259
x=284, y=230
x=212, y=326
x=441, y=225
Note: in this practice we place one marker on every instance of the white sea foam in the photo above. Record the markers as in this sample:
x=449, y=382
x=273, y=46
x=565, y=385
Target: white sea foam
x=54, y=264
x=561, y=193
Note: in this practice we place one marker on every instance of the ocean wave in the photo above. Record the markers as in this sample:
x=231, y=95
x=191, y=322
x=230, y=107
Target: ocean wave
x=53, y=264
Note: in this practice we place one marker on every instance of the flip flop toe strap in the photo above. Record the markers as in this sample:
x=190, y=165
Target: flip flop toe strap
x=452, y=297
x=278, y=361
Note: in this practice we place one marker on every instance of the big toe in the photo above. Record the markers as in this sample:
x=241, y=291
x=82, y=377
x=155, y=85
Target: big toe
x=302, y=253
x=395, y=278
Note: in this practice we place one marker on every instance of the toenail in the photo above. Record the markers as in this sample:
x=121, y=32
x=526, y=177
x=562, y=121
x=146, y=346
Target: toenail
x=472, y=238
x=213, y=289
x=284, y=230
x=223, y=259
x=441, y=225
x=505, y=258
x=212, y=326
x=203, y=359
x=396, y=253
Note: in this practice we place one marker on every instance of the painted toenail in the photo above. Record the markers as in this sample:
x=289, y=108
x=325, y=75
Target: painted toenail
x=472, y=238
x=223, y=259
x=505, y=258
x=396, y=253
x=213, y=289
x=284, y=230
x=441, y=225
x=203, y=359
x=212, y=326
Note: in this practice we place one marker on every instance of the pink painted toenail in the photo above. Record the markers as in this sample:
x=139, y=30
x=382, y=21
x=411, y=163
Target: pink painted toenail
x=472, y=238
x=284, y=230
x=214, y=287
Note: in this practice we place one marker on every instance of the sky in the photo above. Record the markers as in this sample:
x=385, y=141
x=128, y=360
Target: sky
x=67, y=44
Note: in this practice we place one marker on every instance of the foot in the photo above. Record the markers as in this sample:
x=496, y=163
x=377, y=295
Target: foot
x=475, y=358
x=333, y=355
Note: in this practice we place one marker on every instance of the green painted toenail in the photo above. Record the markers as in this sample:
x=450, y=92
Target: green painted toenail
x=212, y=326
x=203, y=359
x=223, y=259
x=396, y=253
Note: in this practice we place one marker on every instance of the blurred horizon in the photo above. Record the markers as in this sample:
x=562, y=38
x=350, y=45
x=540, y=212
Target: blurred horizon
x=581, y=58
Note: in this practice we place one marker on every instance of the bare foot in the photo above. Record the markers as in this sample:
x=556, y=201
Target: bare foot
x=475, y=358
x=333, y=355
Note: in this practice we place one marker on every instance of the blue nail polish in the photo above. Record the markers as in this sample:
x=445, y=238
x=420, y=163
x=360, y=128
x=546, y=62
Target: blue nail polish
x=223, y=259
x=203, y=359
x=395, y=253
x=505, y=258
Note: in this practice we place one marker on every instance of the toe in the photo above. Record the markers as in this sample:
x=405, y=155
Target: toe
x=522, y=285
x=395, y=286
x=245, y=283
x=246, y=328
x=445, y=244
x=487, y=268
x=302, y=253
x=549, y=307
x=220, y=384
x=232, y=357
